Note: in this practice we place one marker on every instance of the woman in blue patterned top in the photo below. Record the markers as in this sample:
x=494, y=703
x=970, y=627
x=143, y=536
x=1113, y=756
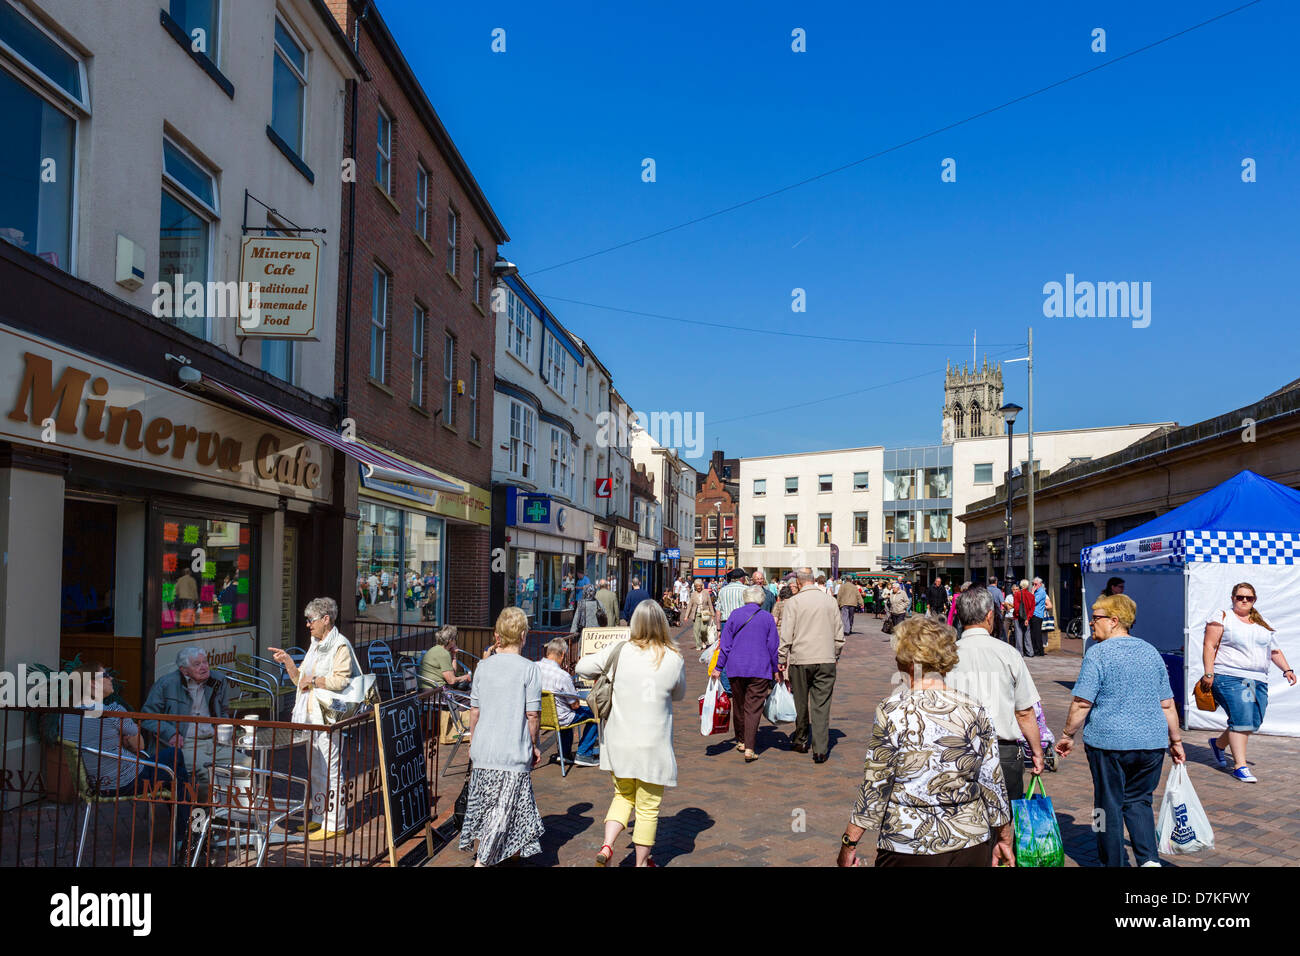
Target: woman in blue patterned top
x=1123, y=701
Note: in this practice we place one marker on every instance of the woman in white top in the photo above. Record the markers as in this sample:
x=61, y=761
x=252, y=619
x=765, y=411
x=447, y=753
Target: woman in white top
x=636, y=742
x=1239, y=644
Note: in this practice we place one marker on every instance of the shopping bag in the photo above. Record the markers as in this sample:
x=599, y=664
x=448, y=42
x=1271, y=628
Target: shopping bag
x=1038, y=838
x=715, y=709
x=779, y=708
x=1181, y=825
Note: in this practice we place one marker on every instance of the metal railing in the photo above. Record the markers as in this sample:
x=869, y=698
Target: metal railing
x=264, y=784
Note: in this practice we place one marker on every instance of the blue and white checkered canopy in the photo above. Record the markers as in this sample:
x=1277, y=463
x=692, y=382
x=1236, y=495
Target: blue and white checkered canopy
x=1246, y=520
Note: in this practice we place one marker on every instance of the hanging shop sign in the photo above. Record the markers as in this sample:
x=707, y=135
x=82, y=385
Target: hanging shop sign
x=625, y=539
x=62, y=400
x=285, y=271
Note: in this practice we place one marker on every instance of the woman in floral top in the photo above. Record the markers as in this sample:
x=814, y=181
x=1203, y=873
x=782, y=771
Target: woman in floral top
x=933, y=786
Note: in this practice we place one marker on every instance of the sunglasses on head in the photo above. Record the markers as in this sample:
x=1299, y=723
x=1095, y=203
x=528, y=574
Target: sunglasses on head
x=1243, y=597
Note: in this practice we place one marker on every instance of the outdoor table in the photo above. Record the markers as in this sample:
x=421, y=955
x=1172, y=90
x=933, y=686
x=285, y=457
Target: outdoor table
x=259, y=746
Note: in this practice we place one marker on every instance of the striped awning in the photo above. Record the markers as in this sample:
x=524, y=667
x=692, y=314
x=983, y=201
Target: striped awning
x=382, y=465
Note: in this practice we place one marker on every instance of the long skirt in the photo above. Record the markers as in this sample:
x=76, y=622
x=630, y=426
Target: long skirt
x=502, y=815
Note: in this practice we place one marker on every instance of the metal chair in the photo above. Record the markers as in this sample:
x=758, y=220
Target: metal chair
x=249, y=809
x=457, y=705
x=379, y=658
x=550, y=721
x=88, y=792
x=255, y=692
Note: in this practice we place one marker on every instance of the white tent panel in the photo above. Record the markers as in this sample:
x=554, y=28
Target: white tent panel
x=1209, y=589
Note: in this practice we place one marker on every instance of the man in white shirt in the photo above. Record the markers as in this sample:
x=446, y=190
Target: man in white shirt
x=993, y=673
x=731, y=596
x=567, y=709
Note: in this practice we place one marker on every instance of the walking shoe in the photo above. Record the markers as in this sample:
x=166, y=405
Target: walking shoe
x=1244, y=775
x=586, y=760
x=799, y=748
x=1219, y=755
x=1152, y=863
x=819, y=758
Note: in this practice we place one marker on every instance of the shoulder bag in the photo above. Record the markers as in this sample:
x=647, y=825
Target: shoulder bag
x=340, y=705
x=601, y=697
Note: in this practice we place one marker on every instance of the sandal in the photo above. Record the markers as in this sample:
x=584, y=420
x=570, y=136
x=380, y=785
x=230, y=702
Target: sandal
x=740, y=745
x=750, y=756
x=603, y=858
x=650, y=862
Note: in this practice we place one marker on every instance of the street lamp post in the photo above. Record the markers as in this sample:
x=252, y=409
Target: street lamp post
x=889, y=550
x=717, y=538
x=1009, y=412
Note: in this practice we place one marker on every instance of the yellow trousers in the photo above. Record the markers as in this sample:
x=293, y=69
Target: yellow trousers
x=639, y=796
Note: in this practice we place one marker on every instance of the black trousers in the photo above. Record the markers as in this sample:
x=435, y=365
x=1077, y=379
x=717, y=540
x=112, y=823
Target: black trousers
x=978, y=855
x=1012, y=760
x=1036, y=634
x=812, y=686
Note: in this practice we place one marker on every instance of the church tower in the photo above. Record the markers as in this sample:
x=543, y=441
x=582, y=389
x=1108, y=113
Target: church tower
x=971, y=399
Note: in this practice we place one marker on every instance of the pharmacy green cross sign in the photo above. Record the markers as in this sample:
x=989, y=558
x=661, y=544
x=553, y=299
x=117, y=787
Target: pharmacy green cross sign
x=537, y=511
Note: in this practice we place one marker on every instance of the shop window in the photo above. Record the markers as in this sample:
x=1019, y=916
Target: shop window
x=791, y=530
x=89, y=568
x=938, y=483
x=207, y=574
x=900, y=526
x=399, y=565
x=823, y=529
x=860, y=528
x=760, y=532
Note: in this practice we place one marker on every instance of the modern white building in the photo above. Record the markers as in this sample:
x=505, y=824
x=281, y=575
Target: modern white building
x=891, y=507
x=793, y=507
x=688, y=485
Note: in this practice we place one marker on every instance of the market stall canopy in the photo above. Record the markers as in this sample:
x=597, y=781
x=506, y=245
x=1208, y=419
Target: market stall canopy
x=382, y=465
x=1246, y=520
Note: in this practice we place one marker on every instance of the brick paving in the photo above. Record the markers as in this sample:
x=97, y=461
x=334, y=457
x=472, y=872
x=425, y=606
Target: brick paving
x=784, y=810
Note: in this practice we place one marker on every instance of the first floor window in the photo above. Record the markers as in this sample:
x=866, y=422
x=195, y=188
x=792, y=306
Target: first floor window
x=791, y=530
x=384, y=153
x=522, y=423
x=823, y=529
x=277, y=358
x=453, y=233
x=984, y=474
x=760, y=532
x=728, y=527
x=473, y=397
x=859, y=528
x=713, y=526
x=449, y=375
x=184, y=241
x=478, y=274
x=697, y=528
x=422, y=201
x=899, y=525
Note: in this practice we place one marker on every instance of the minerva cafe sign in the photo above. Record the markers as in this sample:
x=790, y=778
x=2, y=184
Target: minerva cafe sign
x=58, y=399
x=285, y=269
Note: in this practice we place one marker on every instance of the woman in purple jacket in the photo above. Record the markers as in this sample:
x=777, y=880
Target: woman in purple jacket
x=748, y=653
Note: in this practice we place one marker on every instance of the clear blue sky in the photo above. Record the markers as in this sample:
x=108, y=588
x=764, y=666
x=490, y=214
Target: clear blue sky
x=1132, y=173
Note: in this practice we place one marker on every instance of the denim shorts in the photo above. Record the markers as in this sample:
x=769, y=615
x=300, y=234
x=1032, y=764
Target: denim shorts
x=1244, y=699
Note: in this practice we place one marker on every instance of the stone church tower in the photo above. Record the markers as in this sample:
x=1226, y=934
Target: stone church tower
x=971, y=400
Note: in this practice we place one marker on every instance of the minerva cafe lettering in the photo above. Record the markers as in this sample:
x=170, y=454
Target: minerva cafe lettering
x=41, y=400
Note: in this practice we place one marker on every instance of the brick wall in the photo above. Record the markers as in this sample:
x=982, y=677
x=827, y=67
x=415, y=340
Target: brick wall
x=417, y=269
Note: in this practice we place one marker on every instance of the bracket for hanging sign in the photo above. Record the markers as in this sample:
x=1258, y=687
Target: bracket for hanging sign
x=246, y=228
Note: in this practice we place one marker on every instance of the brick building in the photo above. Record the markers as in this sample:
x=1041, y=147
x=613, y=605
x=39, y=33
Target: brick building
x=717, y=517
x=416, y=364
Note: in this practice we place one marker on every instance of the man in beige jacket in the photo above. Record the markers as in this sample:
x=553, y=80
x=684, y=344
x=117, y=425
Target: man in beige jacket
x=812, y=636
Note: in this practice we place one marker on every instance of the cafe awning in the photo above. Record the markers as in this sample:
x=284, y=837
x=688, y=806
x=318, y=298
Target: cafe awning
x=381, y=465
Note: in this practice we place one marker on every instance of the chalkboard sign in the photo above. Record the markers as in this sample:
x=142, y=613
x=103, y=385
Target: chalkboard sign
x=399, y=724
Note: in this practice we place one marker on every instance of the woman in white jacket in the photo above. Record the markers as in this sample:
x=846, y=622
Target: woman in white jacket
x=636, y=742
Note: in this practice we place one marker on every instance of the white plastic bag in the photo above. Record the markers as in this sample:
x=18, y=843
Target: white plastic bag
x=706, y=706
x=1181, y=825
x=779, y=708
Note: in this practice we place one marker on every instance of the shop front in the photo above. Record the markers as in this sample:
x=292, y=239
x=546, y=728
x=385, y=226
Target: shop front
x=643, y=564
x=403, y=540
x=597, y=557
x=141, y=518
x=545, y=541
x=620, y=567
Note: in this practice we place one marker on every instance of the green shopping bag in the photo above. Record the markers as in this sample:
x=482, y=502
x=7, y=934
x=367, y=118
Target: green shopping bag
x=1038, y=838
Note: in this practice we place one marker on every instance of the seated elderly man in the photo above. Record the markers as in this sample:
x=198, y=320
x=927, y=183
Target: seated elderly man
x=568, y=706
x=190, y=689
x=438, y=668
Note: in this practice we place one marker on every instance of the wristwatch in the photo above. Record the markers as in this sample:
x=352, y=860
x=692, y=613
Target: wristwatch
x=845, y=841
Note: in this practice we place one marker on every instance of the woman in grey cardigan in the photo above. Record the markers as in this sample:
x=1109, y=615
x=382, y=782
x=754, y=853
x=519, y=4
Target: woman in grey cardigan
x=589, y=613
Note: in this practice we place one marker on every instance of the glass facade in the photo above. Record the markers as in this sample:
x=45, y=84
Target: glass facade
x=399, y=565
x=542, y=584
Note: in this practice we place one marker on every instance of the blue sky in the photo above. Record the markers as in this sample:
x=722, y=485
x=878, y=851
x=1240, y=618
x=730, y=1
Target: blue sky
x=1132, y=173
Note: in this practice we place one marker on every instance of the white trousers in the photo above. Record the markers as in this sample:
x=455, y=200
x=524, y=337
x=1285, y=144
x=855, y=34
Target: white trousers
x=327, y=790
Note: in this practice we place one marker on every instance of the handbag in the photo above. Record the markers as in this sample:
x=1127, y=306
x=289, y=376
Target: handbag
x=340, y=705
x=1204, y=698
x=1037, y=834
x=601, y=696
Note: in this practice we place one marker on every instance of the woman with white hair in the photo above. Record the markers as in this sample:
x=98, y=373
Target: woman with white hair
x=329, y=665
x=748, y=651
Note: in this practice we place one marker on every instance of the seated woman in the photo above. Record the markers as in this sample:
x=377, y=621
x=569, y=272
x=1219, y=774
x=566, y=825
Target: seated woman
x=119, y=772
x=438, y=666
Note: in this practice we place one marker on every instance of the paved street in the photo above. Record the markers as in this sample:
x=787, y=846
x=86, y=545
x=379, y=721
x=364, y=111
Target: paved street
x=784, y=810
